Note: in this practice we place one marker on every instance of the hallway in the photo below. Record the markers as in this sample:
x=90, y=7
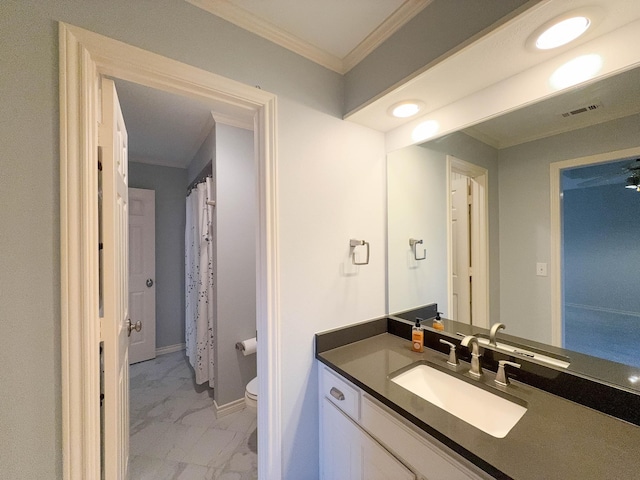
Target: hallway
x=175, y=434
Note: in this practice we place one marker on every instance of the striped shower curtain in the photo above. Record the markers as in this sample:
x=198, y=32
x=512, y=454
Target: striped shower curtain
x=199, y=304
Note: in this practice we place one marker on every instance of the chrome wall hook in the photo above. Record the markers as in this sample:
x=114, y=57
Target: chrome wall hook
x=413, y=244
x=356, y=243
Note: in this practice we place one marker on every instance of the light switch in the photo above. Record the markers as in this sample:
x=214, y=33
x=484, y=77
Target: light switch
x=541, y=269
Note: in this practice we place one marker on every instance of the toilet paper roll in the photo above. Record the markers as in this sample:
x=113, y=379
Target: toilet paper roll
x=248, y=346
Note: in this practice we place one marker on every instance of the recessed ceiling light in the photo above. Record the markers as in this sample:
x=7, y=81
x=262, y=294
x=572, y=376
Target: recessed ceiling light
x=564, y=28
x=562, y=32
x=406, y=109
x=576, y=71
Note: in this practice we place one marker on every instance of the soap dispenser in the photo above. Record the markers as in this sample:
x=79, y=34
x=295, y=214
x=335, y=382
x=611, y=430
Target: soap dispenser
x=437, y=322
x=417, y=337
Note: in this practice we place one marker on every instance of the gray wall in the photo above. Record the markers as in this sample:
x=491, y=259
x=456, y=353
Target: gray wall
x=30, y=405
x=230, y=149
x=601, y=247
x=439, y=28
x=170, y=186
x=205, y=154
x=235, y=284
x=525, y=218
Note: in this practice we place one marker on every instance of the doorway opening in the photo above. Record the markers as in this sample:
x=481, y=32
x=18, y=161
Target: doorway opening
x=468, y=242
x=84, y=58
x=600, y=260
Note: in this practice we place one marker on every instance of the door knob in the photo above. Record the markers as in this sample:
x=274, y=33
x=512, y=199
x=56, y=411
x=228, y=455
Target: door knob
x=149, y=283
x=137, y=327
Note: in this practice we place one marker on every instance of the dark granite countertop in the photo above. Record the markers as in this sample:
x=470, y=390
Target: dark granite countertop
x=555, y=439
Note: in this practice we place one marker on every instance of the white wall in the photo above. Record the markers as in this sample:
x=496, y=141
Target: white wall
x=525, y=304
x=235, y=259
x=331, y=188
x=417, y=206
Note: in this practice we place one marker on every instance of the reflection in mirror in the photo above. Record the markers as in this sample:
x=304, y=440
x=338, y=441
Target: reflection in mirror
x=600, y=268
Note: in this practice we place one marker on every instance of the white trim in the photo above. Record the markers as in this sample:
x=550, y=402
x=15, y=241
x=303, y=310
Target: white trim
x=480, y=245
x=170, y=349
x=80, y=340
x=228, y=408
x=254, y=24
x=555, y=191
x=267, y=30
x=233, y=121
x=398, y=19
x=79, y=51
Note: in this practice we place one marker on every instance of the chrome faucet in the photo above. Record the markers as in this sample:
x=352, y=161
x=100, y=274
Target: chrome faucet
x=494, y=331
x=471, y=343
x=501, y=375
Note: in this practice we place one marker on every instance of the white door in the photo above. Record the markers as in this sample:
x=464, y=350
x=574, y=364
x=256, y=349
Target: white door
x=115, y=325
x=460, y=249
x=142, y=273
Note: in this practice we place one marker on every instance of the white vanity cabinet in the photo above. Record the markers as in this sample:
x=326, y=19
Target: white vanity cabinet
x=362, y=439
x=347, y=452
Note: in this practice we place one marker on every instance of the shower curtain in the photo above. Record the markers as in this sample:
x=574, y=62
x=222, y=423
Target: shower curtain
x=199, y=304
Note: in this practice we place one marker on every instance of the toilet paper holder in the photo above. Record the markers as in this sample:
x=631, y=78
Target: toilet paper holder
x=247, y=347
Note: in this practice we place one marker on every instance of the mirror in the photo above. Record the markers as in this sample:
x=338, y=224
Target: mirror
x=597, y=123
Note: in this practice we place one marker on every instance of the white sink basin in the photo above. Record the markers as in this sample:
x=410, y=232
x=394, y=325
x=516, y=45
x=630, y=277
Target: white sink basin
x=490, y=413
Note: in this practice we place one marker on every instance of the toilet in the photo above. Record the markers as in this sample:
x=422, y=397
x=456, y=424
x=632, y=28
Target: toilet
x=251, y=395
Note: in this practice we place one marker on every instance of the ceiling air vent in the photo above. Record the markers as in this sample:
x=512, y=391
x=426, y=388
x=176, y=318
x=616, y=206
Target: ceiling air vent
x=584, y=109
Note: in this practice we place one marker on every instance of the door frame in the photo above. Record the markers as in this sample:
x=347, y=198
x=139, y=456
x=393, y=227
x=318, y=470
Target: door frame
x=84, y=56
x=555, y=189
x=479, y=240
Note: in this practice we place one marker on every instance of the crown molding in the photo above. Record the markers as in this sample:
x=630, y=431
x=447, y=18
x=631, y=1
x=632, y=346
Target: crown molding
x=398, y=19
x=267, y=30
x=254, y=24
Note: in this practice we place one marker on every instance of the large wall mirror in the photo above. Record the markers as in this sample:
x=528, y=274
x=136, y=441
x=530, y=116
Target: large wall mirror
x=482, y=197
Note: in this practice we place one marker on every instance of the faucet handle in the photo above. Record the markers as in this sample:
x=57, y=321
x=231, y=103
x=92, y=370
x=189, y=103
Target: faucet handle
x=501, y=376
x=453, y=357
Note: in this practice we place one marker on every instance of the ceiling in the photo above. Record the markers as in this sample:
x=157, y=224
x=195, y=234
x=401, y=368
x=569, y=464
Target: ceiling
x=614, y=97
x=337, y=34
x=167, y=129
x=477, y=67
x=163, y=128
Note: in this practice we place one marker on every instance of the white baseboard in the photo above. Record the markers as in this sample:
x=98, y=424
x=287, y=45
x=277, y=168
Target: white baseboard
x=228, y=408
x=170, y=348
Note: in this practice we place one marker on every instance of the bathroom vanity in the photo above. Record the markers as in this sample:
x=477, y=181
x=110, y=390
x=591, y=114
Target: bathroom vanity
x=371, y=427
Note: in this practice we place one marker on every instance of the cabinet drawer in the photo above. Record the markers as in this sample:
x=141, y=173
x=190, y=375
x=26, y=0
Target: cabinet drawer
x=431, y=459
x=341, y=393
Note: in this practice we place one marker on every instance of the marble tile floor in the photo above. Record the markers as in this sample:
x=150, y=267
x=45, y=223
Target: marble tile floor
x=175, y=434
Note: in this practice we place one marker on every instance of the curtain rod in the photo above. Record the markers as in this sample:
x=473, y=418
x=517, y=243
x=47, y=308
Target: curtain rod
x=207, y=171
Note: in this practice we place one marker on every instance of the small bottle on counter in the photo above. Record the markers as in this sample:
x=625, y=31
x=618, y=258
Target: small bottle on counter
x=437, y=322
x=417, y=337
